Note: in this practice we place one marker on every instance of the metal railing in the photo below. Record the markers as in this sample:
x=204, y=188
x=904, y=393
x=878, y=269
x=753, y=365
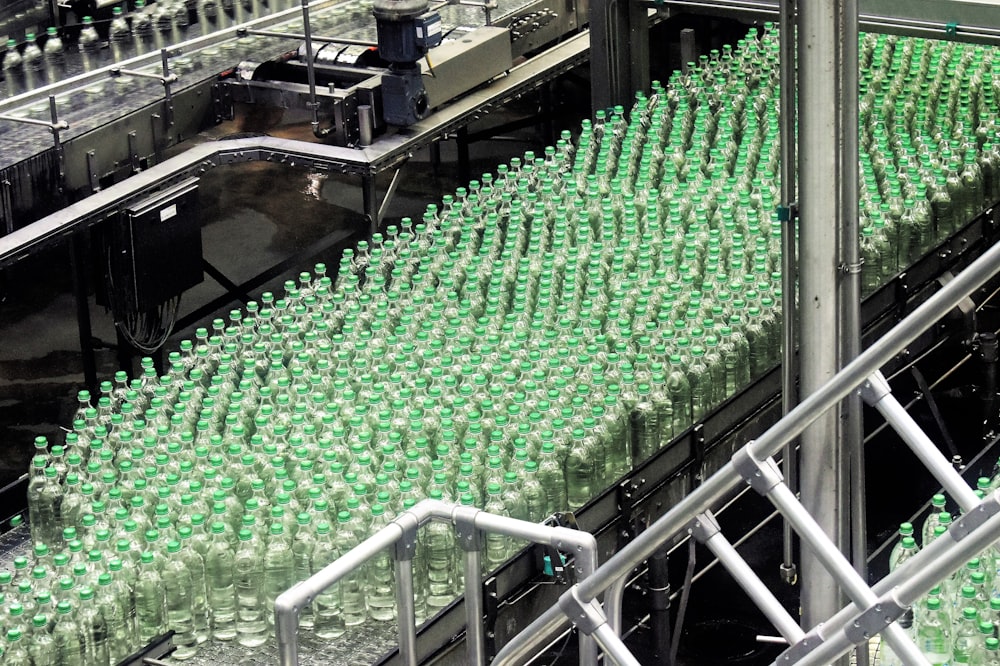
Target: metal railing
x=401, y=536
x=873, y=609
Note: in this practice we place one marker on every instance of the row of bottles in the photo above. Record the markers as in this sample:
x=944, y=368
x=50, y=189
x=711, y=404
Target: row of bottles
x=958, y=622
x=519, y=348
x=144, y=29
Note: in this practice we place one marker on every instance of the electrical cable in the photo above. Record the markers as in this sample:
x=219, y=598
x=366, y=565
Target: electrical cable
x=682, y=606
x=145, y=331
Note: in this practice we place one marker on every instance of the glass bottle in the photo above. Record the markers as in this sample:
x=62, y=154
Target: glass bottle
x=219, y=578
x=248, y=579
x=328, y=623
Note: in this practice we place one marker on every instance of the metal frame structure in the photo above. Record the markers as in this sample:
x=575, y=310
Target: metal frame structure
x=400, y=535
x=873, y=609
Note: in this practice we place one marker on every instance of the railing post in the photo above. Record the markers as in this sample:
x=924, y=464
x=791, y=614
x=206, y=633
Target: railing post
x=470, y=540
x=402, y=554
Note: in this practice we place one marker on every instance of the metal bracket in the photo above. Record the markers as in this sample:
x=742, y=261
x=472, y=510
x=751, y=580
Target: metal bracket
x=166, y=79
x=789, y=212
x=586, y=616
x=873, y=620
x=491, y=606
x=626, y=507
x=797, y=652
x=852, y=269
x=902, y=293
x=133, y=152
x=406, y=547
x=874, y=389
x=92, y=178
x=761, y=475
x=469, y=536
x=698, y=443
x=704, y=527
x=965, y=525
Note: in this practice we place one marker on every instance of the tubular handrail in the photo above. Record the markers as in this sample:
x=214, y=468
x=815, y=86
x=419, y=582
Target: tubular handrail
x=470, y=523
x=702, y=499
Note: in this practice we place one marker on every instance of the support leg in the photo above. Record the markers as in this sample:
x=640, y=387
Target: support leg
x=78, y=263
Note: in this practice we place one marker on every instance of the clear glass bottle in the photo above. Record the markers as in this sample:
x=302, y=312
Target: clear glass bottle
x=328, y=623
x=93, y=628
x=66, y=635
x=352, y=588
x=279, y=567
x=380, y=580
x=150, y=604
x=248, y=580
x=219, y=578
x=179, y=588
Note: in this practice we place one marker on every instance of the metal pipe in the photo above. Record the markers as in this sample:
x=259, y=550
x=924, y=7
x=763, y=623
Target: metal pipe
x=475, y=632
x=613, y=646
x=755, y=588
x=60, y=125
x=931, y=457
x=822, y=482
x=311, y=74
x=840, y=569
x=321, y=40
x=916, y=576
x=366, y=125
x=613, y=603
x=405, y=612
x=789, y=371
x=850, y=301
x=768, y=444
x=850, y=296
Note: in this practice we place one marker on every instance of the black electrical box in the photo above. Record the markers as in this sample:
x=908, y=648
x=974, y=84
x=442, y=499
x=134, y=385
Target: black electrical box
x=154, y=249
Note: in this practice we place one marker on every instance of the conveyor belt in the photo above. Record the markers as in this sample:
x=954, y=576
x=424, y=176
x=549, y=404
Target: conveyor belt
x=364, y=645
x=90, y=100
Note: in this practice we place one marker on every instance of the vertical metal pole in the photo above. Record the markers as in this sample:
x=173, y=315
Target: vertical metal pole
x=462, y=148
x=789, y=371
x=821, y=216
x=168, y=96
x=405, y=616
x=78, y=264
x=475, y=632
x=619, y=51
x=57, y=142
x=369, y=199
x=850, y=297
x=689, y=52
